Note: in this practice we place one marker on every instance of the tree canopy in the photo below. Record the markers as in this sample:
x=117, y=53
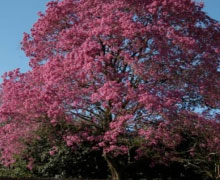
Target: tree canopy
x=121, y=74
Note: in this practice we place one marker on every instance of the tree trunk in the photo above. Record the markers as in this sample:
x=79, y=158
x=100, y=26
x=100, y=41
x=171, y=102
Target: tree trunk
x=114, y=169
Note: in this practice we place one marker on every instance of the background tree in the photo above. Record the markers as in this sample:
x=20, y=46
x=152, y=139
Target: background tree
x=124, y=73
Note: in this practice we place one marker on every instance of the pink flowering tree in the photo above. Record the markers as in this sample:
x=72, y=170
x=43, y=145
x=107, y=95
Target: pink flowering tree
x=120, y=70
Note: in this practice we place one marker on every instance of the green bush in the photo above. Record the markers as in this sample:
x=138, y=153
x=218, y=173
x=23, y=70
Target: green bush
x=17, y=170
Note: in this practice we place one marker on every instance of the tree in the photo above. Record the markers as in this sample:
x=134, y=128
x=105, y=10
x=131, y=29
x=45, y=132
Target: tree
x=58, y=160
x=123, y=73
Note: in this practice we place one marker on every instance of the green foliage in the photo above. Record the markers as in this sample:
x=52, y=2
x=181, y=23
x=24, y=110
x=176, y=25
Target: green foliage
x=83, y=162
x=65, y=162
x=17, y=170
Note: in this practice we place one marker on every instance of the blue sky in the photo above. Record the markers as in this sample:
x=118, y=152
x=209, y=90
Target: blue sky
x=18, y=16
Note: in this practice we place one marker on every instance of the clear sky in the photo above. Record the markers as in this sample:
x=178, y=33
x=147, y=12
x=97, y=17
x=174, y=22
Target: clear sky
x=18, y=16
